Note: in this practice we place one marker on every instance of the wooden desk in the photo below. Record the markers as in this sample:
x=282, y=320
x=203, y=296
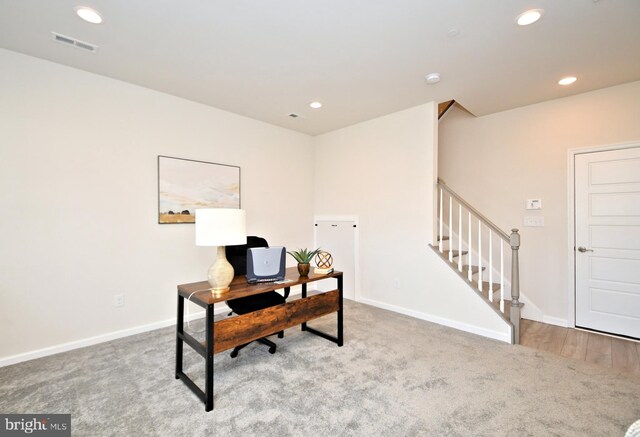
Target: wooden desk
x=235, y=331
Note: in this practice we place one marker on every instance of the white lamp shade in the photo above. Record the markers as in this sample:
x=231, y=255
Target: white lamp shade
x=221, y=227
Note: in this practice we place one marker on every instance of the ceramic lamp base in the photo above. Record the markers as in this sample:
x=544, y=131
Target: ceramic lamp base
x=220, y=273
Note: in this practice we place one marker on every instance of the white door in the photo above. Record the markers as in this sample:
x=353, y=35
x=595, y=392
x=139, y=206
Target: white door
x=338, y=238
x=607, y=241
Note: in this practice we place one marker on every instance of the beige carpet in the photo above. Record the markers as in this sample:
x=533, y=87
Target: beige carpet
x=395, y=376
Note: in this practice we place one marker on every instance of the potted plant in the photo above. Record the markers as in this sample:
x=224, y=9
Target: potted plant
x=304, y=257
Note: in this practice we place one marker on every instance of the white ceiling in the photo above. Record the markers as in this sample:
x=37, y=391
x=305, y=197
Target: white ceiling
x=361, y=58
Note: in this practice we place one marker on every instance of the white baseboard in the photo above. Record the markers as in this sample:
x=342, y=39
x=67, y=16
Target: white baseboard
x=530, y=311
x=496, y=335
x=90, y=341
x=556, y=321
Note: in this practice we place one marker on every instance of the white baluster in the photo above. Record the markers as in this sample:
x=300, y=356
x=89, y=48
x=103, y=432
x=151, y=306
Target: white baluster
x=450, y=229
x=479, y=255
x=501, y=276
x=490, y=265
x=459, y=237
x=440, y=235
x=470, y=247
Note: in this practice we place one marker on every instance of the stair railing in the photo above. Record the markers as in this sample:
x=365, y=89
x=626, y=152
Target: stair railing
x=462, y=238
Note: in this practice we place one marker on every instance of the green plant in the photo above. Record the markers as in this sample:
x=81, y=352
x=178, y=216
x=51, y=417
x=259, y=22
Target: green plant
x=304, y=256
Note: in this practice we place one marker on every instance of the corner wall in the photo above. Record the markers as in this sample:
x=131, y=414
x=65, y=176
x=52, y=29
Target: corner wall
x=498, y=161
x=383, y=171
x=78, y=178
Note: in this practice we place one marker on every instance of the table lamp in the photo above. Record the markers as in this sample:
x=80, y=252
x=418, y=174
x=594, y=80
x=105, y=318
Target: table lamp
x=220, y=227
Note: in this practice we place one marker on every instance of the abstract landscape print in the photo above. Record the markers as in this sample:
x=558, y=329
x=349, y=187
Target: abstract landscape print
x=185, y=185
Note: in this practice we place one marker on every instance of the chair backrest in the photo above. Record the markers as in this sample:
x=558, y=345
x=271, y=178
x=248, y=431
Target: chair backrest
x=237, y=255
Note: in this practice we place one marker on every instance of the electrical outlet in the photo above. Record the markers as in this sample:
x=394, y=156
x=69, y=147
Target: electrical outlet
x=119, y=300
x=396, y=283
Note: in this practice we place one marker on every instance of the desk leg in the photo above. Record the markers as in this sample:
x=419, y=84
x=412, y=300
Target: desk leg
x=303, y=327
x=340, y=285
x=209, y=361
x=179, y=331
x=338, y=339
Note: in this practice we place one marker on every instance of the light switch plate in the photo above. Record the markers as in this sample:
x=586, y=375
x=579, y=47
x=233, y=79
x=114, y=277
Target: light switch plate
x=537, y=220
x=533, y=204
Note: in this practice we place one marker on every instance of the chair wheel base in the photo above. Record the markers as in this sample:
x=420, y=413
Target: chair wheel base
x=272, y=350
x=234, y=354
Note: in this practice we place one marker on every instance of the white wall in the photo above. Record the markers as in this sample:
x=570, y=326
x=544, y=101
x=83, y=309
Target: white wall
x=498, y=161
x=383, y=171
x=78, y=193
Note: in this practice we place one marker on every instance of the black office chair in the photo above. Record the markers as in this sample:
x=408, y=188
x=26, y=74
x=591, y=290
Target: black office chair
x=237, y=256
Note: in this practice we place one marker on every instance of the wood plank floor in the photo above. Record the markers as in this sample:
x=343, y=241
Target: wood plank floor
x=615, y=353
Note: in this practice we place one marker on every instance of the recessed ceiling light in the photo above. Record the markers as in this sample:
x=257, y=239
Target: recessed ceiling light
x=432, y=78
x=315, y=105
x=529, y=17
x=88, y=14
x=567, y=80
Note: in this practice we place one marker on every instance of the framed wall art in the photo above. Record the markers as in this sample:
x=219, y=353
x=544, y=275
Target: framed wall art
x=185, y=185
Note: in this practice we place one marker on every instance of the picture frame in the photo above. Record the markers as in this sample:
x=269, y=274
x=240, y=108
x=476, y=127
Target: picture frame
x=185, y=185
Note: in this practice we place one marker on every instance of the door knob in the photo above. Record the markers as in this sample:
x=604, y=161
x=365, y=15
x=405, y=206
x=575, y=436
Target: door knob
x=584, y=249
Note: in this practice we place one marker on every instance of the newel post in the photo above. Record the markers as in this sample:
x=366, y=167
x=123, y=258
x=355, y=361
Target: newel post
x=514, y=241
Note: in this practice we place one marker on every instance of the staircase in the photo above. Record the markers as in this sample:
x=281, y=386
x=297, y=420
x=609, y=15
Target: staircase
x=484, y=256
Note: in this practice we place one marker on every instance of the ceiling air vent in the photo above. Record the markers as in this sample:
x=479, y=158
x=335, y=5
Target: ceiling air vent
x=294, y=115
x=67, y=40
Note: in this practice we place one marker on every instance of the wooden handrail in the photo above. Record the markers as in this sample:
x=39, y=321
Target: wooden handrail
x=474, y=211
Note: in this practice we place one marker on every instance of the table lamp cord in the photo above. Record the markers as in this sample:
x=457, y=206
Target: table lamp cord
x=189, y=318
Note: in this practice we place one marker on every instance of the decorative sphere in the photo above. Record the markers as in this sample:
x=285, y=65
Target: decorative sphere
x=324, y=260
